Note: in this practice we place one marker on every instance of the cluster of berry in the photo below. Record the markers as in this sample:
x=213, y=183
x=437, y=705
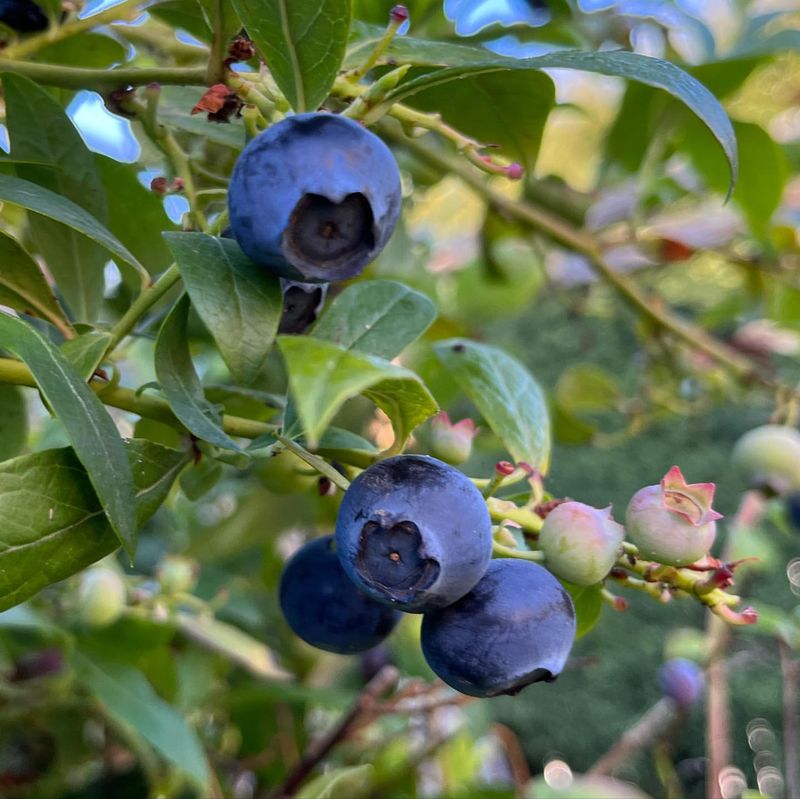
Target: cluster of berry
x=414, y=534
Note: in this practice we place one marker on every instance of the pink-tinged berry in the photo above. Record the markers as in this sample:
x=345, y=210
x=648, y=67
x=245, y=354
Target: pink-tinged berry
x=580, y=543
x=515, y=171
x=768, y=457
x=452, y=442
x=673, y=522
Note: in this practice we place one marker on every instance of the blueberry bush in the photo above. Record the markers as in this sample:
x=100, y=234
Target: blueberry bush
x=399, y=400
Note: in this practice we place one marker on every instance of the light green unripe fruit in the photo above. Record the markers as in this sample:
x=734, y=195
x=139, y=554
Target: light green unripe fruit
x=101, y=597
x=286, y=473
x=769, y=457
x=580, y=543
x=177, y=574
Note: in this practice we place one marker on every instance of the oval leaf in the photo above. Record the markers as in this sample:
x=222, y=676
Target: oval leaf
x=302, y=41
x=239, y=302
x=13, y=421
x=505, y=394
x=379, y=317
x=85, y=352
x=473, y=61
x=39, y=129
x=47, y=203
x=322, y=377
x=53, y=524
x=180, y=383
x=128, y=699
x=91, y=430
x=24, y=288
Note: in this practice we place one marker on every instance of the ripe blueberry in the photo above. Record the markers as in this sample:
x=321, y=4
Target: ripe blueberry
x=324, y=608
x=769, y=457
x=516, y=627
x=580, y=543
x=681, y=680
x=673, y=522
x=792, y=507
x=22, y=16
x=414, y=533
x=315, y=198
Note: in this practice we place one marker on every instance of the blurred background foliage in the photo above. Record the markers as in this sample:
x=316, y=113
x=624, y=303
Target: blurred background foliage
x=629, y=165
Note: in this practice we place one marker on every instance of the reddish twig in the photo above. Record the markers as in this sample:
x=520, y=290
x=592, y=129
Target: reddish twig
x=317, y=751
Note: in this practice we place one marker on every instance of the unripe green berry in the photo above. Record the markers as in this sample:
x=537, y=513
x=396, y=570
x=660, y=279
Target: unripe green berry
x=580, y=543
x=769, y=457
x=101, y=597
x=177, y=574
x=286, y=473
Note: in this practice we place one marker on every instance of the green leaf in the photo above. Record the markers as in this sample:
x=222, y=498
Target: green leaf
x=136, y=216
x=180, y=383
x=506, y=109
x=84, y=50
x=762, y=177
x=39, y=129
x=85, y=352
x=233, y=644
x=351, y=781
x=13, y=421
x=302, y=41
x=199, y=478
x=47, y=203
x=239, y=302
x=505, y=394
x=23, y=286
x=91, y=430
x=588, y=600
x=469, y=62
x=322, y=377
x=379, y=317
x=128, y=699
x=584, y=387
x=52, y=522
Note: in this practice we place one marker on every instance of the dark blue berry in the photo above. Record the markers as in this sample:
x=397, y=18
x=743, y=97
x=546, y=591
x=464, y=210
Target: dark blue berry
x=516, y=627
x=681, y=680
x=315, y=197
x=793, y=510
x=324, y=608
x=414, y=532
x=22, y=16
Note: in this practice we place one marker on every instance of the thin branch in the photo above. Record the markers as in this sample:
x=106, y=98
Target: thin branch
x=149, y=297
x=145, y=405
x=643, y=734
x=319, y=749
x=103, y=80
x=790, y=668
x=565, y=233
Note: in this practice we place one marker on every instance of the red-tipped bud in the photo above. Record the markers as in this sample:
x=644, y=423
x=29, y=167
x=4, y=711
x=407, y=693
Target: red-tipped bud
x=515, y=171
x=398, y=14
x=159, y=185
x=620, y=604
x=326, y=487
x=452, y=442
x=504, y=467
